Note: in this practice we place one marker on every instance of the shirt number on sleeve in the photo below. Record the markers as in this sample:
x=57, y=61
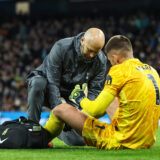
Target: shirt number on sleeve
x=108, y=80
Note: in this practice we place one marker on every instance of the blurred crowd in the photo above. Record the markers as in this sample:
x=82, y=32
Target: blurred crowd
x=25, y=43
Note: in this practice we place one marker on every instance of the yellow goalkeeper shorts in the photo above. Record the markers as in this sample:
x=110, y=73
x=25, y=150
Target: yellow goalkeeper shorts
x=99, y=134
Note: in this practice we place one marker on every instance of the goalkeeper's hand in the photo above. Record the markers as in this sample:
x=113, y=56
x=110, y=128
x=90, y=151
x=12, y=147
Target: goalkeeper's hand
x=78, y=93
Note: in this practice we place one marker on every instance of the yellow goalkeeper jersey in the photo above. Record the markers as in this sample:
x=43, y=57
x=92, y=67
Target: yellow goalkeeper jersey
x=137, y=87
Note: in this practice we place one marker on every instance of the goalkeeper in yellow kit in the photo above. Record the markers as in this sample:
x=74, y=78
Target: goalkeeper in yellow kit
x=135, y=84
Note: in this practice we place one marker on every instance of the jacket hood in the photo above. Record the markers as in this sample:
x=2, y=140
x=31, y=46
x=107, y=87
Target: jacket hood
x=77, y=43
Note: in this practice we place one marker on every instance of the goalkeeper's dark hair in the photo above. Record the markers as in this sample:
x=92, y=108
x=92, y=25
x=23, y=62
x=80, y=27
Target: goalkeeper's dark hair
x=119, y=43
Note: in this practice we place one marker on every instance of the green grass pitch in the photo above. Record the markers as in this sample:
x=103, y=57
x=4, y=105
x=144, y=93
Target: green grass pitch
x=63, y=152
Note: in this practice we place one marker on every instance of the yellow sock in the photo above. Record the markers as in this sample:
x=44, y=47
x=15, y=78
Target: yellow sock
x=54, y=126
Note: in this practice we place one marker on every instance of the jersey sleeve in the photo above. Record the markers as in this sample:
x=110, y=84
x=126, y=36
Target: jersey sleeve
x=97, y=108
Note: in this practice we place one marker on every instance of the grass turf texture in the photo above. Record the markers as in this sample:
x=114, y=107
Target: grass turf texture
x=63, y=152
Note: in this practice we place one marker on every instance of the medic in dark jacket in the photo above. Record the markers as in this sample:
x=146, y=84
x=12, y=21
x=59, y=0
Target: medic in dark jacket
x=71, y=61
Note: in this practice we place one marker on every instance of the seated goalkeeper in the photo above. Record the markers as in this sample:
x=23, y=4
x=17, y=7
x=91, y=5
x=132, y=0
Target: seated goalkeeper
x=135, y=122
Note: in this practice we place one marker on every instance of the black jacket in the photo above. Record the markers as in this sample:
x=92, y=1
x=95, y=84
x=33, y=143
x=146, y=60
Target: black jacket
x=65, y=67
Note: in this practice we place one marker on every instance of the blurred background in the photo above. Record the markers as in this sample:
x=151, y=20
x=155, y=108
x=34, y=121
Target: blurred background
x=28, y=30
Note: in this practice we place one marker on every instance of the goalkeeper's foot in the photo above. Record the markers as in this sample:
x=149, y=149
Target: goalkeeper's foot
x=50, y=145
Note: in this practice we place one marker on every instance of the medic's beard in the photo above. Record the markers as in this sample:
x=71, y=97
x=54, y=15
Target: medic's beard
x=85, y=56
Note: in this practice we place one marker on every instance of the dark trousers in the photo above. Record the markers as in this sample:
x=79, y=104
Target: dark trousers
x=36, y=96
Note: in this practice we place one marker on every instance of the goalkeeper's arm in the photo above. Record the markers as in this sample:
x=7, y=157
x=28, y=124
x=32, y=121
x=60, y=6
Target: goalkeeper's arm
x=97, y=108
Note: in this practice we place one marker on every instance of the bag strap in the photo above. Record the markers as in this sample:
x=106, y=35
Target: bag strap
x=25, y=120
